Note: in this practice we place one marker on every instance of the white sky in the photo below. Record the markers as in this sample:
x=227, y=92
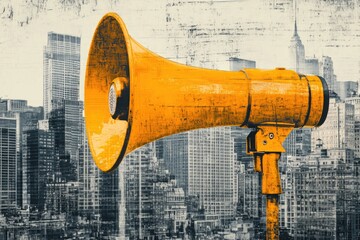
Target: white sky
x=325, y=29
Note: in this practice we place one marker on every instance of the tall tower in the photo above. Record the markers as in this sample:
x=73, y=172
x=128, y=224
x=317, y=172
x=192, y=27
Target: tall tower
x=327, y=72
x=296, y=49
x=89, y=180
x=138, y=192
x=338, y=131
x=298, y=143
x=61, y=69
x=8, y=163
x=26, y=118
x=62, y=107
x=38, y=160
x=65, y=120
x=204, y=164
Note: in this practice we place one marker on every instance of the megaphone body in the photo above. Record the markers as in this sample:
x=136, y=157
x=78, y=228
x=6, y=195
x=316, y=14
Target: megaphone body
x=133, y=96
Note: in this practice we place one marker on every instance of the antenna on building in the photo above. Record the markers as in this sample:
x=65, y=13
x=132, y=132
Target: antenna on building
x=295, y=18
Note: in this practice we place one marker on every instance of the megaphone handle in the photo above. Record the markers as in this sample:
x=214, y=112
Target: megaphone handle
x=271, y=187
x=265, y=143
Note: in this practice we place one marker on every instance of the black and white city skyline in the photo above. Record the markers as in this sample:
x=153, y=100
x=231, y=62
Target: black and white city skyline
x=193, y=185
x=257, y=30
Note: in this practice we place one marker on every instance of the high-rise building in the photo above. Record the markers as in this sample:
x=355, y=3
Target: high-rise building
x=62, y=198
x=297, y=52
x=89, y=181
x=298, y=143
x=63, y=110
x=66, y=120
x=204, y=164
x=298, y=61
x=16, y=105
x=326, y=70
x=111, y=202
x=338, y=131
x=250, y=197
x=138, y=192
x=61, y=69
x=8, y=164
x=311, y=66
x=346, y=89
x=26, y=118
x=159, y=145
x=321, y=196
x=175, y=209
x=168, y=200
x=355, y=101
x=239, y=136
x=38, y=162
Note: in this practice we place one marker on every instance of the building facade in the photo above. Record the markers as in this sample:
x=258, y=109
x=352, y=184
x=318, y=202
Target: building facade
x=204, y=164
x=61, y=71
x=66, y=120
x=338, y=131
x=321, y=196
x=89, y=182
x=327, y=72
x=8, y=164
x=355, y=101
x=38, y=166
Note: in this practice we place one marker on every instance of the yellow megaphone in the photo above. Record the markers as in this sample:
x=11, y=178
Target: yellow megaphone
x=133, y=97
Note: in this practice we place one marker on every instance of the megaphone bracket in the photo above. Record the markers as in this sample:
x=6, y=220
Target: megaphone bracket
x=265, y=144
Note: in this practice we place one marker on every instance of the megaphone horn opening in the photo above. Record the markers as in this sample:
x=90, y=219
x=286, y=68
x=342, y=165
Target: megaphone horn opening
x=107, y=92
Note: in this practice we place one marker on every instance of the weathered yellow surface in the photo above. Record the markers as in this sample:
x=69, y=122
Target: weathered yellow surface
x=167, y=97
x=272, y=217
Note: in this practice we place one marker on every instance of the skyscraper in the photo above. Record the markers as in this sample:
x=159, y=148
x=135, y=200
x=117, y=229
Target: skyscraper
x=138, y=192
x=38, y=160
x=26, y=118
x=346, y=89
x=298, y=143
x=321, y=196
x=63, y=111
x=8, y=164
x=66, y=120
x=204, y=164
x=338, y=131
x=355, y=101
x=298, y=61
x=89, y=181
x=327, y=72
x=297, y=51
x=13, y=105
x=61, y=69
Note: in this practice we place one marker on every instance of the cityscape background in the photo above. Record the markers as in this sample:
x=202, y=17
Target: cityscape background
x=193, y=185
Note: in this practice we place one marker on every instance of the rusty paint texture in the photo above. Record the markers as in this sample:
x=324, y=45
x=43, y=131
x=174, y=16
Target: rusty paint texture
x=168, y=98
